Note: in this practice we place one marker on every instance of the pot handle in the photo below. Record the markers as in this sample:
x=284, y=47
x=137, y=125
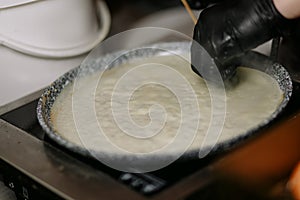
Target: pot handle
x=255, y=60
x=259, y=61
x=275, y=49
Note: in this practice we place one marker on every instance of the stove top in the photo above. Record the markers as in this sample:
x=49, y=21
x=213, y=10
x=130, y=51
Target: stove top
x=35, y=168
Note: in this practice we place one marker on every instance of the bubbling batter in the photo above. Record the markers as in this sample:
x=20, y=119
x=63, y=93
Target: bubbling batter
x=248, y=104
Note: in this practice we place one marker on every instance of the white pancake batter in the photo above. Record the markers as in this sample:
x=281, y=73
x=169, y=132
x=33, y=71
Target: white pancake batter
x=249, y=103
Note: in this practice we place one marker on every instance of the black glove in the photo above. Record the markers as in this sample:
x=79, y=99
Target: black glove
x=228, y=30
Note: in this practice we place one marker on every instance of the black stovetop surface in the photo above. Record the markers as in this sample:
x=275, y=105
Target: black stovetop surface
x=147, y=184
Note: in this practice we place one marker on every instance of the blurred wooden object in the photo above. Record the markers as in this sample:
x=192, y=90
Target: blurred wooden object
x=266, y=159
x=189, y=10
x=294, y=183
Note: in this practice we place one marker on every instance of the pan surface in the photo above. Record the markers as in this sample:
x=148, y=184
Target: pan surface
x=252, y=60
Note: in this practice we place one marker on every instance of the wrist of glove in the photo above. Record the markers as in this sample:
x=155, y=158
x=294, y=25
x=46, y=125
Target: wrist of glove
x=228, y=30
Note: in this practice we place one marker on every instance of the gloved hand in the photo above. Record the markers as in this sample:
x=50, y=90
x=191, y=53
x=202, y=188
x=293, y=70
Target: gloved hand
x=228, y=30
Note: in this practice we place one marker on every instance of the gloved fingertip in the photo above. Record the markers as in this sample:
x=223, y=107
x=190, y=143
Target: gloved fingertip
x=196, y=4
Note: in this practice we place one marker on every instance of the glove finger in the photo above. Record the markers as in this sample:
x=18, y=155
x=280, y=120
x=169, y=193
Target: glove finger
x=209, y=68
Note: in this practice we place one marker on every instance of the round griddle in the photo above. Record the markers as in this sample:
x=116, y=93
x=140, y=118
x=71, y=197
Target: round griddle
x=251, y=60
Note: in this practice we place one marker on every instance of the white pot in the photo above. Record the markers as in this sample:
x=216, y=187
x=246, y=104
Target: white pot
x=54, y=28
x=41, y=40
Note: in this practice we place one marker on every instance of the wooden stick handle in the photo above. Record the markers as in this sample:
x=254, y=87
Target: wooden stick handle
x=189, y=10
